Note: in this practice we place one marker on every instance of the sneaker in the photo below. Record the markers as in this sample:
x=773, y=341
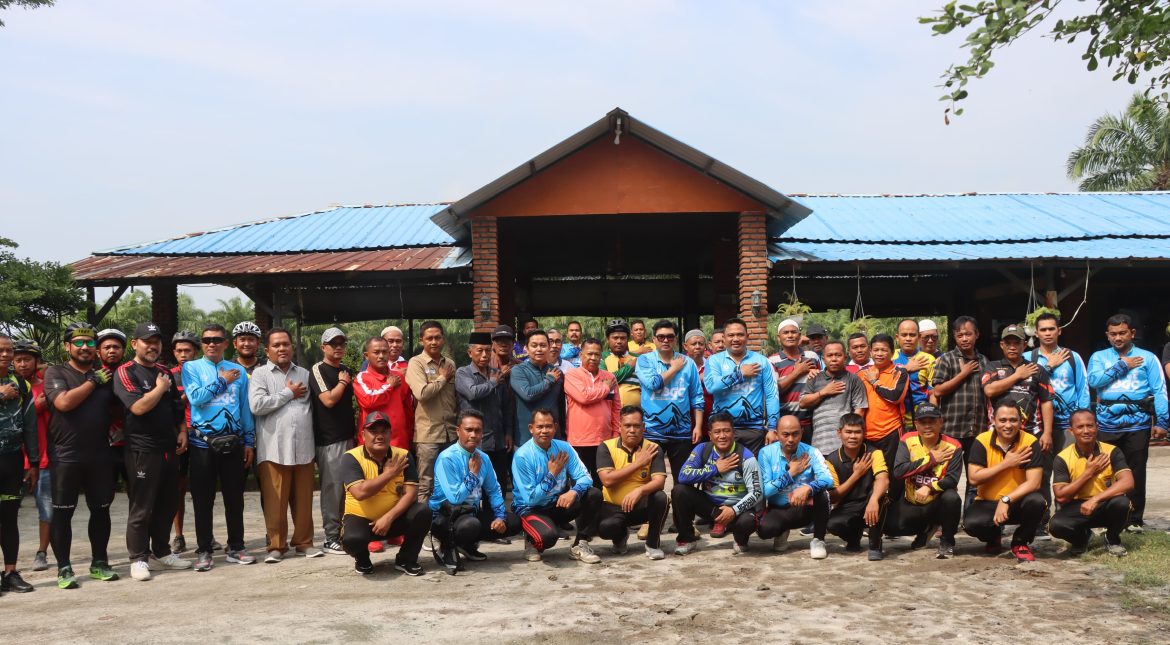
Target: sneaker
x=655, y=554
x=472, y=553
x=377, y=547
x=946, y=550
x=448, y=559
x=203, y=562
x=644, y=531
x=333, y=547
x=718, y=530
x=139, y=570
x=364, y=568
x=310, y=551
x=66, y=579
x=1116, y=550
x=1134, y=528
x=240, y=557
x=501, y=540
x=994, y=547
x=273, y=557
x=807, y=531
x=621, y=546
x=100, y=570
x=172, y=561
x=923, y=537
x=411, y=569
x=738, y=549
x=875, y=555
x=853, y=547
x=41, y=561
x=780, y=542
x=216, y=546
x=817, y=549
x=530, y=552
x=427, y=546
x=178, y=544
x=583, y=552
x=683, y=548
x=1042, y=536
x=11, y=581
x=1023, y=553
x=398, y=539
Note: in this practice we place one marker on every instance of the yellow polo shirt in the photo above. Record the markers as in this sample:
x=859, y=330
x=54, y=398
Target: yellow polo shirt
x=612, y=455
x=357, y=466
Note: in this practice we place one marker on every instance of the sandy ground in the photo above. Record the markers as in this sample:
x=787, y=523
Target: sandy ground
x=707, y=595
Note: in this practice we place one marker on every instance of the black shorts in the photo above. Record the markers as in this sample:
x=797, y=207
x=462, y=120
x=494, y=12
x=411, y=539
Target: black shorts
x=93, y=478
x=11, y=475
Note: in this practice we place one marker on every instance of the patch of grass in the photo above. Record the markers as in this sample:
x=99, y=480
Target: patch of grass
x=1148, y=564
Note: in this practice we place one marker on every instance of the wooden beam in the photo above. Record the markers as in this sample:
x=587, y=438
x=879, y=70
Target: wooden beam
x=101, y=313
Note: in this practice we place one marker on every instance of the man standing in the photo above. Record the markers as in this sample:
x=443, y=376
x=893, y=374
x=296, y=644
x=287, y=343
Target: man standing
x=886, y=387
x=467, y=503
x=639, y=343
x=794, y=366
x=485, y=389
x=79, y=452
x=278, y=394
x=246, y=339
x=542, y=472
x=672, y=397
x=221, y=443
x=330, y=394
x=27, y=355
x=184, y=347
x=720, y=480
x=831, y=394
x=928, y=466
x=859, y=358
x=1090, y=480
x=795, y=478
x=111, y=346
x=928, y=337
x=555, y=345
x=1131, y=401
x=592, y=406
x=632, y=476
x=695, y=345
x=18, y=445
x=155, y=433
x=537, y=385
x=382, y=387
x=716, y=343
x=817, y=337
x=861, y=479
x=520, y=348
x=958, y=388
x=571, y=351
x=431, y=377
x=743, y=384
x=620, y=362
x=918, y=364
x=1006, y=467
x=381, y=499
x=1067, y=376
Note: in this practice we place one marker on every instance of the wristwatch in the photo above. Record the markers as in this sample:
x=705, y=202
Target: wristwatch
x=1006, y=500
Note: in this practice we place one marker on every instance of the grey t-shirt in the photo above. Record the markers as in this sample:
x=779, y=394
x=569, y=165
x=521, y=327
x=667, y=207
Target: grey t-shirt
x=826, y=417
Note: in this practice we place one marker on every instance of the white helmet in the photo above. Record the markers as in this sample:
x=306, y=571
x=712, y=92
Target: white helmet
x=247, y=328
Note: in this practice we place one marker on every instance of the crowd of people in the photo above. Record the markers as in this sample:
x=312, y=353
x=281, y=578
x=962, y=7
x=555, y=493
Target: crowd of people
x=553, y=437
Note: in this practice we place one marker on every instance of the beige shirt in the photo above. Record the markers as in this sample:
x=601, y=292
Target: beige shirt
x=434, y=416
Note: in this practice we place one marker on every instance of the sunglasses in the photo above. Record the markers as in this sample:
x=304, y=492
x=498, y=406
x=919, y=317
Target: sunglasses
x=84, y=343
x=213, y=340
x=337, y=344
x=664, y=337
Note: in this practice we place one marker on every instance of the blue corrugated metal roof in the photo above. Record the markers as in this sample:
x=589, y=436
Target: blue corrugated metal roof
x=336, y=229
x=1095, y=249
x=978, y=217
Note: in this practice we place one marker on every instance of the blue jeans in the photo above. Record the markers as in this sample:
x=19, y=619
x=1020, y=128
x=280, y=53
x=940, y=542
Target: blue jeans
x=44, y=495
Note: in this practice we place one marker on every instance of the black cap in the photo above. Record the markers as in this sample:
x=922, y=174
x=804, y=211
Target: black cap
x=503, y=331
x=146, y=330
x=374, y=418
x=927, y=411
x=479, y=338
x=816, y=329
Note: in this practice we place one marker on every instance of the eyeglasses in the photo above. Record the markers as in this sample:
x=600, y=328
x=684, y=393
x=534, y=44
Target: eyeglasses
x=337, y=344
x=84, y=343
x=664, y=337
x=213, y=340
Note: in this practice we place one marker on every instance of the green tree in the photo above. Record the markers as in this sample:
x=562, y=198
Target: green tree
x=1128, y=151
x=27, y=4
x=34, y=296
x=1131, y=37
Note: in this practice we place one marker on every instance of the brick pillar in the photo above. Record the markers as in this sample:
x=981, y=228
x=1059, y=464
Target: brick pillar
x=263, y=293
x=164, y=310
x=485, y=272
x=753, y=275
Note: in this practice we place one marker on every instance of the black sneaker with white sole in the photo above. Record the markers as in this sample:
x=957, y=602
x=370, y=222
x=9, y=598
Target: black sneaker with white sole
x=333, y=547
x=410, y=569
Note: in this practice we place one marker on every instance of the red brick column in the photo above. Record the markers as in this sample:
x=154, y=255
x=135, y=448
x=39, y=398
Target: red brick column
x=485, y=271
x=753, y=275
x=263, y=292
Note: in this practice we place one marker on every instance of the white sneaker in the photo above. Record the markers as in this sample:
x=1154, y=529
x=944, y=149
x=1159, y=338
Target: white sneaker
x=780, y=542
x=683, y=548
x=817, y=549
x=736, y=549
x=530, y=552
x=655, y=554
x=139, y=570
x=172, y=561
x=310, y=552
x=583, y=552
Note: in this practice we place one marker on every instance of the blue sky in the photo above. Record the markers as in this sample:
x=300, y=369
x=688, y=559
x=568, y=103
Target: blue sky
x=130, y=121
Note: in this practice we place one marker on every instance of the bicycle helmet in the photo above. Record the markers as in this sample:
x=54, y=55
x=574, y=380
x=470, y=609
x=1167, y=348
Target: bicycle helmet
x=185, y=336
x=79, y=329
x=111, y=333
x=26, y=346
x=247, y=328
x=617, y=324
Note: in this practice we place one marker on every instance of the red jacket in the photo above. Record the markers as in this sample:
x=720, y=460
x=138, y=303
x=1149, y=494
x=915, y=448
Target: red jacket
x=373, y=393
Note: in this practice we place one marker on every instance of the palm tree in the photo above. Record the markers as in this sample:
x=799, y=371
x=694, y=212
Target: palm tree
x=1130, y=151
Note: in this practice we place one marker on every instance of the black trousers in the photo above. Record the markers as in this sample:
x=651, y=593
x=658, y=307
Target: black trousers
x=69, y=480
x=588, y=455
x=613, y=523
x=11, y=485
x=676, y=452
x=889, y=447
x=207, y=469
x=847, y=521
x=690, y=502
x=471, y=527
x=357, y=532
x=778, y=519
x=750, y=438
x=1058, y=435
x=1136, y=448
x=969, y=494
x=502, y=465
x=904, y=518
x=979, y=521
x=153, y=489
x=540, y=524
x=1068, y=524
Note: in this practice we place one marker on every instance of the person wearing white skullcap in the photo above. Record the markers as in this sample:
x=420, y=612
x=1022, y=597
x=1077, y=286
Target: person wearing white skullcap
x=793, y=367
x=928, y=337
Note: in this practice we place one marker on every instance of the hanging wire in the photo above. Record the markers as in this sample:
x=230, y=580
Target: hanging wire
x=1031, y=290
x=1083, y=299
x=858, y=305
x=795, y=297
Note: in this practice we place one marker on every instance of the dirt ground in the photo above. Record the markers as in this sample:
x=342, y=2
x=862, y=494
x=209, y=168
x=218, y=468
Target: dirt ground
x=707, y=595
